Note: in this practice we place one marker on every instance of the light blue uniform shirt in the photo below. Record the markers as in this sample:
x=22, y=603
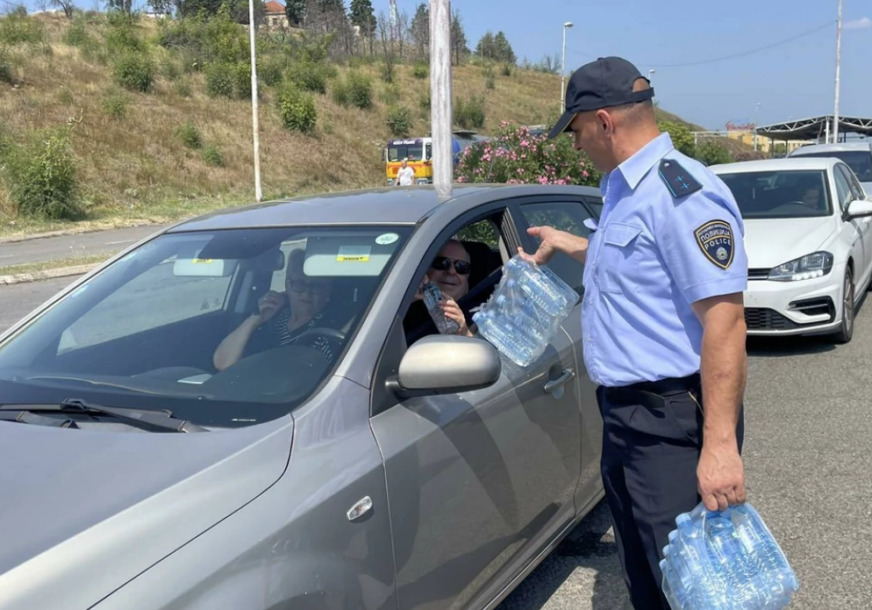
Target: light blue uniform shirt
x=654, y=253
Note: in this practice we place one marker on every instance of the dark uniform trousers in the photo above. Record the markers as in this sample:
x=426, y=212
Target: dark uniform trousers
x=652, y=438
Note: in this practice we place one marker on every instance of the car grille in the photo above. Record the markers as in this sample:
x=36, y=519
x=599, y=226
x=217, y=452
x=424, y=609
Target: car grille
x=761, y=318
x=758, y=274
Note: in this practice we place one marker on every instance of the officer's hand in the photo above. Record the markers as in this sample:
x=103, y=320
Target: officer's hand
x=720, y=477
x=553, y=240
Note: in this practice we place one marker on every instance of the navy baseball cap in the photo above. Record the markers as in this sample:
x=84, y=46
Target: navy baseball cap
x=603, y=83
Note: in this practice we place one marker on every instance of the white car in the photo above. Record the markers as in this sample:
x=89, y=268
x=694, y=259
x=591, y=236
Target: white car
x=808, y=235
x=858, y=156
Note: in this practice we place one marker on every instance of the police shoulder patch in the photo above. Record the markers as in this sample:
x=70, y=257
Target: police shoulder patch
x=715, y=239
x=677, y=179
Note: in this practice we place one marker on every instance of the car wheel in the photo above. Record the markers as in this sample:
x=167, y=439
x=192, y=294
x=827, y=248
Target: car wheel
x=846, y=328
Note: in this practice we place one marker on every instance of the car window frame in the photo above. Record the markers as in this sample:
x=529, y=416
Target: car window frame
x=846, y=201
x=853, y=182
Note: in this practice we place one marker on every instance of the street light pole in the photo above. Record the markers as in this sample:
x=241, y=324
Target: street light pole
x=566, y=26
x=651, y=73
x=756, y=113
x=838, y=62
x=258, y=193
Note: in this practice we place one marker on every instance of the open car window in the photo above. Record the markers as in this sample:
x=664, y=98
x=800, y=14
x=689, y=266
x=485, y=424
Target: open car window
x=144, y=332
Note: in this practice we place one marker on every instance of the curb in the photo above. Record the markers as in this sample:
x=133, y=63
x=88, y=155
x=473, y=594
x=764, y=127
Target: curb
x=77, y=231
x=48, y=274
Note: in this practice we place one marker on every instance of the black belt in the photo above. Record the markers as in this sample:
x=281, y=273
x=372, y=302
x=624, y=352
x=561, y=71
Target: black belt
x=650, y=393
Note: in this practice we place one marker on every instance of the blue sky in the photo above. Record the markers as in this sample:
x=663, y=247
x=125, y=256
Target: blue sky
x=791, y=80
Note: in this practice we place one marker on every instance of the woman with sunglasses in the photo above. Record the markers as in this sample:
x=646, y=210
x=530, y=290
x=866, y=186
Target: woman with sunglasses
x=282, y=317
x=450, y=271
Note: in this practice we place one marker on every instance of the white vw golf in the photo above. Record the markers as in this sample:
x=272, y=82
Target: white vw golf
x=808, y=235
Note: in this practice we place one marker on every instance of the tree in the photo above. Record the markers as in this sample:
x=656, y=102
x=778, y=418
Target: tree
x=681, y=136
x=711, y=152
x=296, y=12
x=503, y=49
x=66, y=6
x=419, y=31
x=123, y=6
x=363, y=16
x=485, y=46
x=459, y=50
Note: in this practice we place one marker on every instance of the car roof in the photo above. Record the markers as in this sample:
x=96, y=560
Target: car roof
x=771, y=165
x=819, y=148
x=374, y=206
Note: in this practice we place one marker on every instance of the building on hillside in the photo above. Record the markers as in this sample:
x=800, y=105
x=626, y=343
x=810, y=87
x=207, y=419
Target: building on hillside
x=745, y=133
x=275, y=16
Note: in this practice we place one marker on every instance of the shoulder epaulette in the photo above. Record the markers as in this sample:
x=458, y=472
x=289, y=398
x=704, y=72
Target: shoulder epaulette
x=677, y=179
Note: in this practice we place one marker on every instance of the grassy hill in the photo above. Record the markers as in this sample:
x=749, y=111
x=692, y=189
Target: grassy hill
x=177, y=150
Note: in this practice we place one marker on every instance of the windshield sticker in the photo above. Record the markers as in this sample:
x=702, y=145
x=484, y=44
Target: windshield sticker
x=201, y=260
x=353, y=254
x=386, y=238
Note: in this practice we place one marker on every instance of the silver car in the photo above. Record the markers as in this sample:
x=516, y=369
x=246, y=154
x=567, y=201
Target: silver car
x=363, y=464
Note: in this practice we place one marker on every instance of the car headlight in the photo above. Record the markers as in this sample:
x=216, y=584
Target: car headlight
x=817, y=264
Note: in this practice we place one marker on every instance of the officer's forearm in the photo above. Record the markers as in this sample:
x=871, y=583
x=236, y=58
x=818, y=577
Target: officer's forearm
x=574, y=246
x=723, y=369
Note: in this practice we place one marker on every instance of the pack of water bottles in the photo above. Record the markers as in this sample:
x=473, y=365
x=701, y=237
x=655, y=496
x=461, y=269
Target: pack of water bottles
x=525, y=310
x=725, y=559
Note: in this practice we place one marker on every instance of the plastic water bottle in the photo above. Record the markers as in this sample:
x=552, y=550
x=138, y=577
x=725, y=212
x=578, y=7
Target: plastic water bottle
x=725, y=559
x=525, y=311
x=432, y=296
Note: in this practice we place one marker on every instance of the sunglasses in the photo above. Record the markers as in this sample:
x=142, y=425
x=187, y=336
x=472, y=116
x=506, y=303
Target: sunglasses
x=302, y=285
x=443, y=263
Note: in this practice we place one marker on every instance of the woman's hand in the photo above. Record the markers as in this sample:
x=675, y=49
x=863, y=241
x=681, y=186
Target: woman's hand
x=452, y=311
x=419, y=294
x=269, y=304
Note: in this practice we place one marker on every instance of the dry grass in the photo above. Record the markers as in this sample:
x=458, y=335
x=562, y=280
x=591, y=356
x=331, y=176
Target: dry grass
x=134, y=168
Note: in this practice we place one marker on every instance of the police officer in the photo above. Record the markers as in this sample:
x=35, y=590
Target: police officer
x=663, y=319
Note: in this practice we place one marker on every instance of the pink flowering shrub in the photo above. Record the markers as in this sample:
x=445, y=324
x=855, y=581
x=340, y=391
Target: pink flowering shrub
x=514, y=156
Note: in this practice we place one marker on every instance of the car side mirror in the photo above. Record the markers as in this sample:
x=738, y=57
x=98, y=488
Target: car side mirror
x=442, y=364
x=859, y=208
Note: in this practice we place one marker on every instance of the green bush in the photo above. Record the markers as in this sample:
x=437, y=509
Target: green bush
x=387, y=71
x=420, y=70
x=359, y=90
x=309, y=76
x=242, y=80
x=269, y=72
x=115, y=105
x=182, y=88
x=122, y=35
x=212, y=156
x=390, y=94
x=189, y=135
x=6, y=73
x=399, y=121
x=507, y=69
x=340, y=93
x=297, y=110
x=77, y=35
x=469, y=113
x=43, y=178
x=170, y=69
x=134, y=71
x=713, y=153
x=18, y=28
x=490, y=83
x=219, y=80
x=424, y=102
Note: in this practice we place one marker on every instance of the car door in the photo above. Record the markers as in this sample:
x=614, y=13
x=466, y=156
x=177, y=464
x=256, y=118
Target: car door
x=857, y=231
x=480, y=481
x=865, y=223
x=578, y=217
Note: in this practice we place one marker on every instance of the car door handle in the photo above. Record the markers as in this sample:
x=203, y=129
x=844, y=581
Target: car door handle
x=554, y=384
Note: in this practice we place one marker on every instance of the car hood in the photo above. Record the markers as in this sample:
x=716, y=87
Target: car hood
x=89, y=510
x=771, y=242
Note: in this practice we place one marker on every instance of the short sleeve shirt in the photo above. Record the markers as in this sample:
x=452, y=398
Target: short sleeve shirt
x=655, y=252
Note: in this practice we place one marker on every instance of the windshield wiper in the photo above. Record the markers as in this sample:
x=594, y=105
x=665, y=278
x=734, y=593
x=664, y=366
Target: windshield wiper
x=146, y=419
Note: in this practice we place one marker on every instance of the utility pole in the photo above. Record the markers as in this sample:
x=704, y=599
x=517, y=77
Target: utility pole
x=756, y=114
x=566, y=26
x=440, y=95
x=838, y=63
x=258, y=193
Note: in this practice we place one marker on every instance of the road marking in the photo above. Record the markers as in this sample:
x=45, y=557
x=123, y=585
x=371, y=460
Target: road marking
x=115, y=243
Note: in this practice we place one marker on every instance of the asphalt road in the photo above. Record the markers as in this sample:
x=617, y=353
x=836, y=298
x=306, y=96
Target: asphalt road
x=808, y=425
x=71, y=246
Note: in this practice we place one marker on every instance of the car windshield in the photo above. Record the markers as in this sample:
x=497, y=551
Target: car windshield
x=412, y=152
x=780, y=194
x=225, y=328
x=860, y=161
